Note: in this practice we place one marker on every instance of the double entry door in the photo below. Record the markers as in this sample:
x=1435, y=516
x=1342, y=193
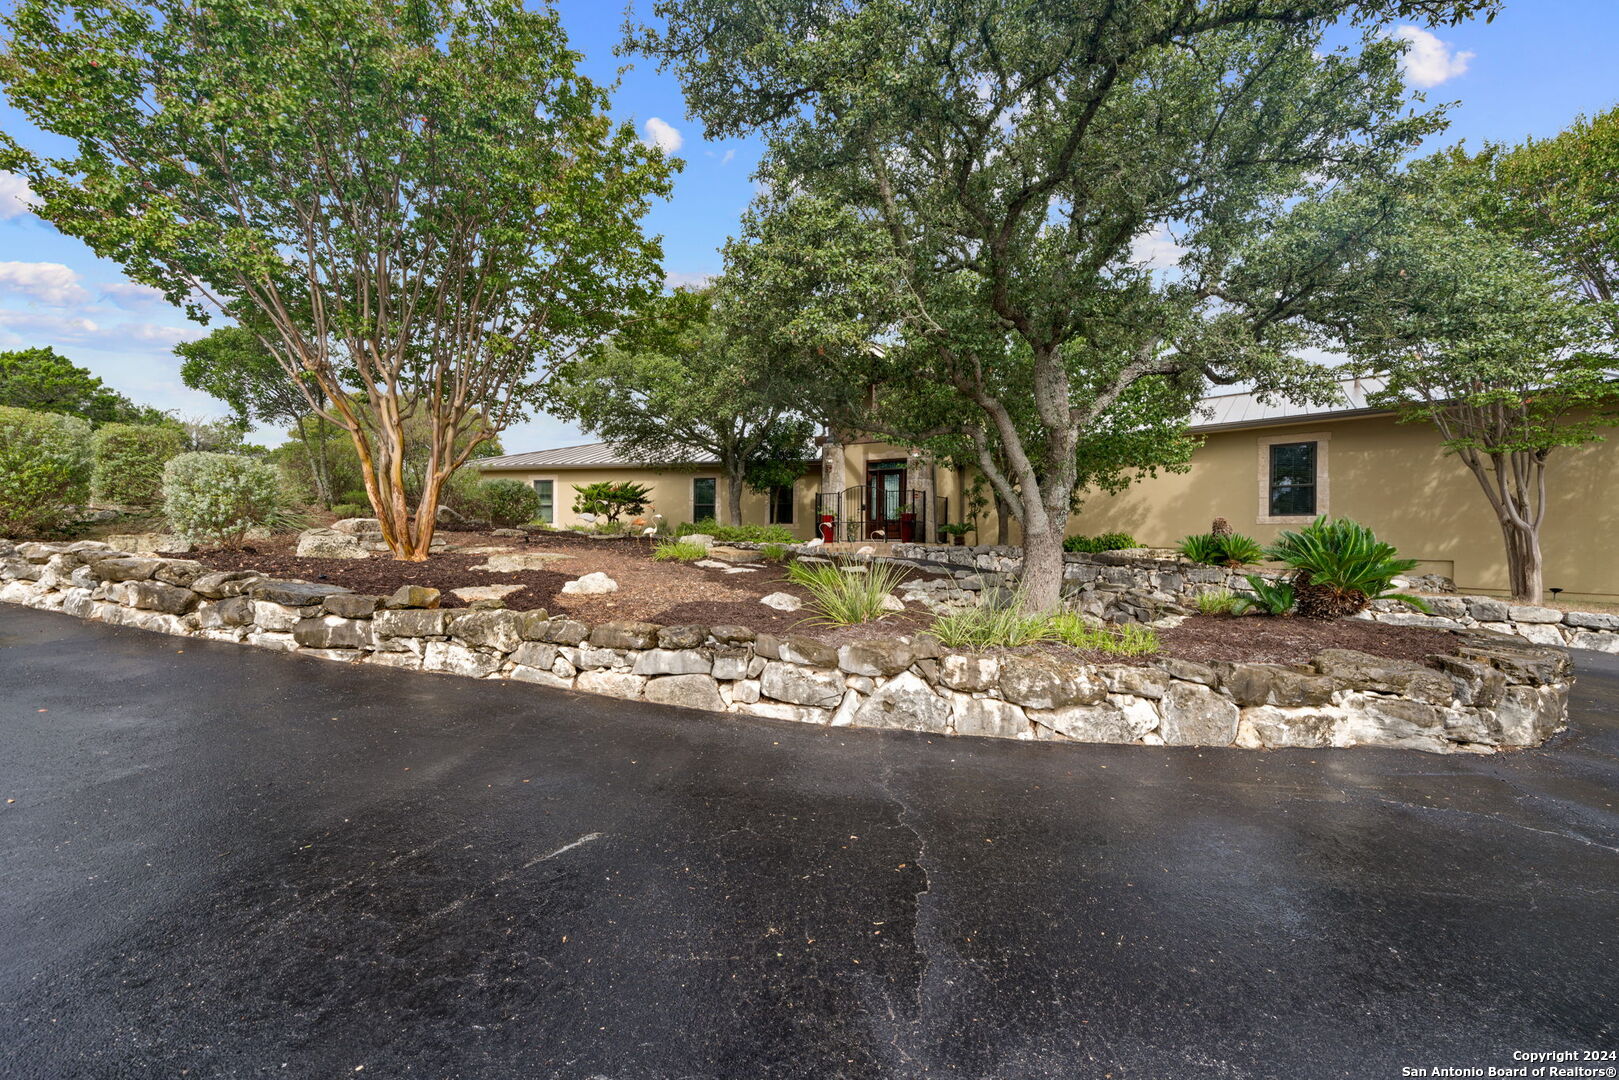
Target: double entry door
x=888, y=512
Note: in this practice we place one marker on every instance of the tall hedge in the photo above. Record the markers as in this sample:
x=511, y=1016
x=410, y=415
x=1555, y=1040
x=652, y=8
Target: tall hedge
x=129, y=460
x=44, y=470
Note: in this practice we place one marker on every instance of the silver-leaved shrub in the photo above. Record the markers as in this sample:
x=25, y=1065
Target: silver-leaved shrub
x=217, y=498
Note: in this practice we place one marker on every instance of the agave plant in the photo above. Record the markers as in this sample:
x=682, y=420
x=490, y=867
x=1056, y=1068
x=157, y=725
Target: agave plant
x=1339, y=567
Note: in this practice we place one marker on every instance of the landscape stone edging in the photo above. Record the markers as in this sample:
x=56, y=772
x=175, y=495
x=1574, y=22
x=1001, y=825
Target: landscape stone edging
x=1496, y=692
x=1119, y=586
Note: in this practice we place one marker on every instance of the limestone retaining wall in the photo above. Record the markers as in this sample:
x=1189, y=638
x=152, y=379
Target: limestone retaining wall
x=1497, y=691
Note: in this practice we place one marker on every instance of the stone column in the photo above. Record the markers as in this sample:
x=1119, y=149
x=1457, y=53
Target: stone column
x=831, y=477
x=919, y=486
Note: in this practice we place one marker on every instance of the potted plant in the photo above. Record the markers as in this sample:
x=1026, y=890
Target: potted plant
x=957, y=532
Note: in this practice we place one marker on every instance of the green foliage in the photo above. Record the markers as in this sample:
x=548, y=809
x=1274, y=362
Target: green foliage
x=351, y=510
x=1339, y=566
x=957, y=529
x=1270, y=597
x=611, y=498
x=45, y=381
x=507, y=503
x=679, y=551
x=967, y=183
x=1219, y=601
x=843, y=597
x=774, y=552
x=1128, y=639
x=425, y=205
x=129, y=460
x=44, y=470
x=689, y=379
x=1105, y=542
x=217, y=498
x=1221, y=549
x=734, y=534
x=989, y=625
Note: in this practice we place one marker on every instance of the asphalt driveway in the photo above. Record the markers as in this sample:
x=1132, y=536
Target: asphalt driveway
x=222, y=862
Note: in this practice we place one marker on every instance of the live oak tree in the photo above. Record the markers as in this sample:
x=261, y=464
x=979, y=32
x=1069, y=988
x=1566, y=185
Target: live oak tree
x=960, y=184
x=690, y=378
x=44, y=380
x=1476, y=326
x=425, y=204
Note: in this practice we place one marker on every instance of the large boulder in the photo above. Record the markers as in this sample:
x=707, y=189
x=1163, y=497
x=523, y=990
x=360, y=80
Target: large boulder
x=984, y=716
x=1363, y=671
x=1105, y=723
x=906, y=702
x=688, y=691
x=320, y=543
x=596, y=584
x=1038, y=681
x=1194, y=715
x=801, y=686
x=877, y=657
x=292, y=593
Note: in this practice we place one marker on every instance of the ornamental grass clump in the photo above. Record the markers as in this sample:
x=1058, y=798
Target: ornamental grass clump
x=1126, y=639
x=1216, y=602
x=1339, y=567
x=217, y=498
x=846, y=593
x=678, y=551
x=988, y=625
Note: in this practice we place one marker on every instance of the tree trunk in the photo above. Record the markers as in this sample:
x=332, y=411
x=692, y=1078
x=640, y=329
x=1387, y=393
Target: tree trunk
x=1524, y=562
x=1042, y=568
x=733, y=497
x=315, y=477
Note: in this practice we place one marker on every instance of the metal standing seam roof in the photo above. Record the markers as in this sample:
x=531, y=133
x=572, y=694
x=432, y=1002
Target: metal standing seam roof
x=1222, y=411
x=583, y=456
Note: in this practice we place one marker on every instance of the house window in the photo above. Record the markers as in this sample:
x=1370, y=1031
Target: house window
x=781, y=505
x=547, y=491
x=703, y=491
x=1292, y=479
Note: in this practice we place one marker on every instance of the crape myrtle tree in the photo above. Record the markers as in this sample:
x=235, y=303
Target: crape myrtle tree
x=423, y=206
x=1504, y=347
x=691, y=377
x=962, y=182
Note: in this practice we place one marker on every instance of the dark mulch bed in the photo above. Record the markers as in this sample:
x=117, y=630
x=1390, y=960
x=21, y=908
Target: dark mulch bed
x=677, y=593
x=1291, y=640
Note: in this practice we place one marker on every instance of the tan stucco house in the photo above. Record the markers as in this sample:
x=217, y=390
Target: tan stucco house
x=1263, y=467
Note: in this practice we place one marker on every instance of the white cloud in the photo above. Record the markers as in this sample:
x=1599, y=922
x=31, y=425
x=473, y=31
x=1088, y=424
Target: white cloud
x=1157, y=249
x=691, y=279
x=63, y=327
x=16, y=197
x=1429, y=61
x=52, y=283
x=663, y=135
x=730, y=155
x=130, y=294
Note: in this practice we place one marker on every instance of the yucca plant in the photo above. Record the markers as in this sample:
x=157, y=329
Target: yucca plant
x=1339, y=567
x=845, y=593
x=1271, y=597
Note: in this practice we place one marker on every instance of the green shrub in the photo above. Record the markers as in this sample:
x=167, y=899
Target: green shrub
x=774, y=552
x=1216, y=602
x=216, y=498
x=734, y=534
x=1339, y=567
x=129, y=460
x=1222, y=549
x=1105, y=542
x=988, y=625
x=679, y=551
x=843, y=597
x=610, y=498
x=356, y=497
x=352, y=510
x=507, y=503
x=1128, y=639
x=1271, y=597
x=44, y=470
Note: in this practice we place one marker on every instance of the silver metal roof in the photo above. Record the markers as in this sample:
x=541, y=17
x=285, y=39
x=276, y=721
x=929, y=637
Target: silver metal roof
x=1246, y=410
x=1221, y=411
x=583, y=456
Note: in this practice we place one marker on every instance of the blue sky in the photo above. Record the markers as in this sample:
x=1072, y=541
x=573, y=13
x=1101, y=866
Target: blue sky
x=1528, y=73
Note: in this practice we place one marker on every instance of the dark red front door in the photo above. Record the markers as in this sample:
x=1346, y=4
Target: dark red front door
x=886, y=501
